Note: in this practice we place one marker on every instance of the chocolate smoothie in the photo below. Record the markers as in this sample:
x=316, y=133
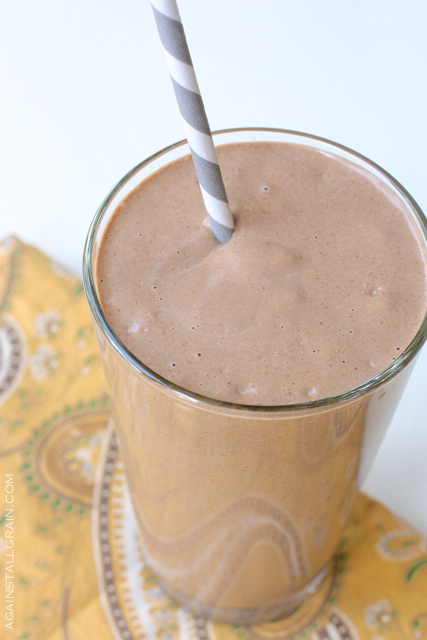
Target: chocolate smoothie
x=322, y=287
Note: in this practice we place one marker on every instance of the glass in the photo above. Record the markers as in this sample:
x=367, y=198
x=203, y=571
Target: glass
x=242, y=507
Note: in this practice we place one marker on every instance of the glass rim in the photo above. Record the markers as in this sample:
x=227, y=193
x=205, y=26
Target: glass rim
x=102, y=322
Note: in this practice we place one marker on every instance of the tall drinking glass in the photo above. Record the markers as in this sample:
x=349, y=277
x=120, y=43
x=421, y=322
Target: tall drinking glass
x=241, y=507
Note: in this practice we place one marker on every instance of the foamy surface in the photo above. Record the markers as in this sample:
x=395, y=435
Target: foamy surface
x=322, y=286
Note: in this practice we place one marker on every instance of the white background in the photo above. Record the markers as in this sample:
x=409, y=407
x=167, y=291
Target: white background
x=85, y=96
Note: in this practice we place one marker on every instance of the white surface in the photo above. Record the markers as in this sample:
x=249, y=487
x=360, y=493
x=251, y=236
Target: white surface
x=86, y=95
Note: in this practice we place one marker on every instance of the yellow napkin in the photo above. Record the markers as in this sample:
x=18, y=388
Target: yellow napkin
x=70, y=552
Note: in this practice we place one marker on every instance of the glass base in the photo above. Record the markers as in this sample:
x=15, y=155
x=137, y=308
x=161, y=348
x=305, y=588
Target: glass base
x=278, y=611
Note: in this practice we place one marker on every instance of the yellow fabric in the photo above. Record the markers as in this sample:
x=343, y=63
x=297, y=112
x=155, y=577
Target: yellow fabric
x=78, y=569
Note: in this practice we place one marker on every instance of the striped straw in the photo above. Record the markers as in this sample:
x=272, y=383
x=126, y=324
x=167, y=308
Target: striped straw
x=196, y=124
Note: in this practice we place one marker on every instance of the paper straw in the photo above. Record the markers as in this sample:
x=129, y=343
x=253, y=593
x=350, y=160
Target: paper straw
x=196, y=124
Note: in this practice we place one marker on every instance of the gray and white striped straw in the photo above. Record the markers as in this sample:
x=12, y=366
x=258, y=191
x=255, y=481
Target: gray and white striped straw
x=196, y=124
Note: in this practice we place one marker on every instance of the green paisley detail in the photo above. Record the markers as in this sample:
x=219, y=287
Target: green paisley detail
x=28, y=467
x=415, y=568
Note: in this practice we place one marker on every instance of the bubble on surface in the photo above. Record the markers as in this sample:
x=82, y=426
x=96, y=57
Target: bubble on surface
x=134, y=327
x=244, y=390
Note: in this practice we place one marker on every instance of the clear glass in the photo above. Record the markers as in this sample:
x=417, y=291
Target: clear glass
x=241, y=507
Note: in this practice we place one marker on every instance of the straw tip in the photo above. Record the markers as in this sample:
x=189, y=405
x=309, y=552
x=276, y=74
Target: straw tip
x=222, y=233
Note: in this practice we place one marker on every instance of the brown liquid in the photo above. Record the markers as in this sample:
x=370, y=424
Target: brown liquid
x=322, y=286
x=241, y=510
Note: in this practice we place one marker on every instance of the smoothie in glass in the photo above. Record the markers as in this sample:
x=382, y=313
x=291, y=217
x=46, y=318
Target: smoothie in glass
x=252, y=382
